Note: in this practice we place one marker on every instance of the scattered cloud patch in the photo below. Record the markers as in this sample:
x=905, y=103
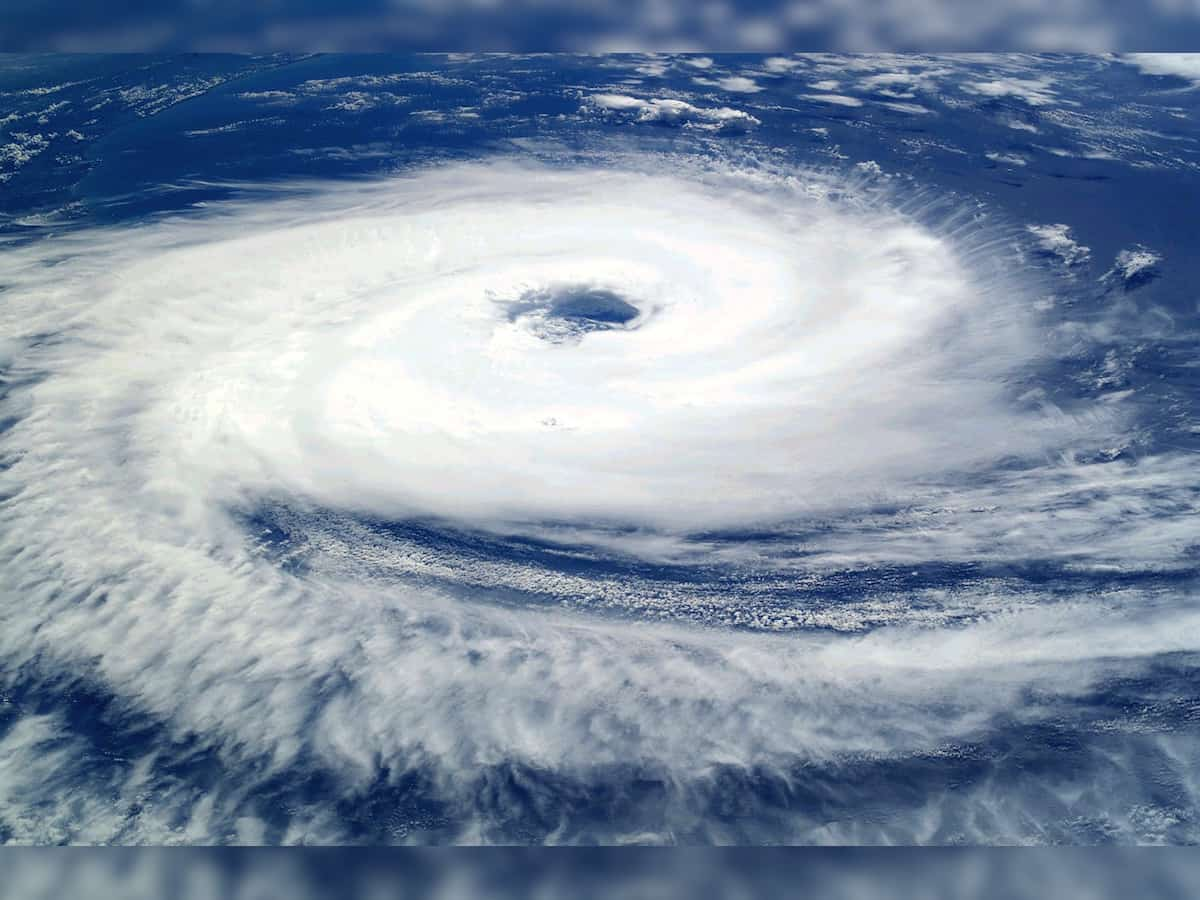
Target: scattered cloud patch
x=1008, y=159
x=1034, y=91
x=913, y=109
x=676, y=112
x=271, y=97
x=738, y=84
x=231, y=127
x=1055, y=240
x=653, y=69
x=446, y=116
x=354, y=93
x=349, y=82
x=619, y=102
x=20, y=150
x=1018, y=125
x=780, y=65
x=888, y=81
x=1134, y=266
x=902, y=84
x=361, y=101
x=835, y=99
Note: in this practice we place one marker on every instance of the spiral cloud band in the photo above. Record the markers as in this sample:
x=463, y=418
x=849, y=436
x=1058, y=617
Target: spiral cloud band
x=496, y=467
x=570, y=351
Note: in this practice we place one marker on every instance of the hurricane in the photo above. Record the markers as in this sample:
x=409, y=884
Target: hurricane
x=622, y=496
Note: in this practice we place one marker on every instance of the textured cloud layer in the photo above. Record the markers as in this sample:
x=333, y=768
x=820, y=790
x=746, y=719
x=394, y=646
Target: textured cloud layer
x=657, y=361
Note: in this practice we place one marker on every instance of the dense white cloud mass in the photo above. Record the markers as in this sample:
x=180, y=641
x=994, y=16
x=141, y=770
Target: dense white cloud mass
x=434, y=349
x=1178, y=65
x=623, y=362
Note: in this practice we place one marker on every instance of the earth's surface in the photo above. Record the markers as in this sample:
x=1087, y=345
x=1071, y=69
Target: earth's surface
x=599, y=449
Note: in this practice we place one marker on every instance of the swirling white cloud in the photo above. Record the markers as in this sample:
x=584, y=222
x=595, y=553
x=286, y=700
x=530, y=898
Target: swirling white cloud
x=654, y=360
